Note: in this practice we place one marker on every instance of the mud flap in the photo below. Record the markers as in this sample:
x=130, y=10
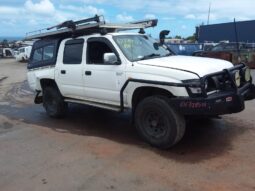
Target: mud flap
x=38, y=97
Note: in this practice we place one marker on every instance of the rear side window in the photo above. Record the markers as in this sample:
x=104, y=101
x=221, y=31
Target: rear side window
x=73, y=51
x=48, y=52
x=37, y=57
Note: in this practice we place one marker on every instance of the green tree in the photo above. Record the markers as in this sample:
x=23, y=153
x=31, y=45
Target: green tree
x=178, y=37
x=191, y=38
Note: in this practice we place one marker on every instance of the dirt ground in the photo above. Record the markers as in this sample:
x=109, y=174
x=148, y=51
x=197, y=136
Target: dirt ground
x=94, y=149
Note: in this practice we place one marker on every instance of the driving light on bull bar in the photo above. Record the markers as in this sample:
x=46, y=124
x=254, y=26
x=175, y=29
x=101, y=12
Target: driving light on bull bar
x=247, y=74
x=237, y=78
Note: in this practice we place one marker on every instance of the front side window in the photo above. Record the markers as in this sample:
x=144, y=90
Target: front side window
x=140, y=47
x=37, y=57
x=73, y=51
x=96, y=51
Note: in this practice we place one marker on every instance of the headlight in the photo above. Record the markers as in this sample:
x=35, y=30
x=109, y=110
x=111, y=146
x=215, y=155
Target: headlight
x=237, y=78
x=196, y=90
x=197, y=83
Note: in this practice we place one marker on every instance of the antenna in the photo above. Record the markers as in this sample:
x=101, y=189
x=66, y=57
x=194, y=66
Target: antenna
x=209, y=14
x=237, y=41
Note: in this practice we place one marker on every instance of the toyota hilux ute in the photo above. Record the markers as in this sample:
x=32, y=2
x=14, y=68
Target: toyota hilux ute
x=91, y=62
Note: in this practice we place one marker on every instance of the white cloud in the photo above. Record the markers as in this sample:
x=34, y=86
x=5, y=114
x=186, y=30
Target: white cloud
x=124, y=18
x=32, y=22
x=94, y=1
x=184, y=27
x=150, y=16
x=8, y=10
x=33, y=14
x=86, y=10
x=190, y=16
x=195, y=9
x=168, y=18
x=93, y=10
x=45, y=7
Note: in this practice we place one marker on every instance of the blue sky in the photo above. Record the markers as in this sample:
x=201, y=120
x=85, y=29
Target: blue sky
x=180, y=16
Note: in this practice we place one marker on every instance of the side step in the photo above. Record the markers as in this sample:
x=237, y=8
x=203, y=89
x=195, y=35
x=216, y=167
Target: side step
x=95, y=104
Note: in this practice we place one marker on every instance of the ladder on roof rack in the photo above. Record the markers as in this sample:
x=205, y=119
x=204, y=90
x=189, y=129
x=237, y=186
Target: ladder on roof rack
x=92, y=25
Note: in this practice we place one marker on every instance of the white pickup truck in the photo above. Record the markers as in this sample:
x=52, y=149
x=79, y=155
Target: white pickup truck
x=23, y=54
x=131, y=71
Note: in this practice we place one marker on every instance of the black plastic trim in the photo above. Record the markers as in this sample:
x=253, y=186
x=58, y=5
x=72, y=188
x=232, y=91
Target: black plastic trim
x=153, y=83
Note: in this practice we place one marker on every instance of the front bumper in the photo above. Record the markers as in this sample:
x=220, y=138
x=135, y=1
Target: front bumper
x=216, y=104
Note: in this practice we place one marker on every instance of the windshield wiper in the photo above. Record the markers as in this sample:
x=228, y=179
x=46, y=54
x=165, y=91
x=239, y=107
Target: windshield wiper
x=150, y=56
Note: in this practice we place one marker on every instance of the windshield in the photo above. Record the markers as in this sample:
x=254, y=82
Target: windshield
x=140, y=47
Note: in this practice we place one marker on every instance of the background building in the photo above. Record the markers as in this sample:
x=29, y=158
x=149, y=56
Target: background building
x=226, y=32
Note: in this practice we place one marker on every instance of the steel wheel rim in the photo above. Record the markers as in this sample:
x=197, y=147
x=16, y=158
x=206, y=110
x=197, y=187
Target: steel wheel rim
x=155, y=124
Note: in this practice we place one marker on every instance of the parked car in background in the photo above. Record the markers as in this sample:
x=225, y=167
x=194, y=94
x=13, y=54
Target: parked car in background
x=15, y=52
x=23, y=54
x=233, y=52
x=6, y=53
x=185, y=49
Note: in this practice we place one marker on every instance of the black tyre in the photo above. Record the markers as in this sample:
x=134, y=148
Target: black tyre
x=158, y=123
x=53, y=102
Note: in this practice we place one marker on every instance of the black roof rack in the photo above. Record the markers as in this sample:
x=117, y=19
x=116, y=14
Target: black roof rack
x=88, y=26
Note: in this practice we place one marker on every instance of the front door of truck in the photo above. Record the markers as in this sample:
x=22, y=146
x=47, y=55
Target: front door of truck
x=102, y=81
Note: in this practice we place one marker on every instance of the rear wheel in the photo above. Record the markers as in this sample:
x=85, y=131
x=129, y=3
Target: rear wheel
x=158, y=123
x=53, y=102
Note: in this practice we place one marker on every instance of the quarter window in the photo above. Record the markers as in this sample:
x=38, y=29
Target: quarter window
x=45, y=53
x=37, y=57
x=48, y=52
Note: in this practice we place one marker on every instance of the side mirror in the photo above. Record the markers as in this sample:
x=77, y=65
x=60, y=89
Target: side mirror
x=110, y=58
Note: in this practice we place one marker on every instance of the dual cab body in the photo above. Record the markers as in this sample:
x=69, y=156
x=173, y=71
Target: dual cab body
x=120, y=71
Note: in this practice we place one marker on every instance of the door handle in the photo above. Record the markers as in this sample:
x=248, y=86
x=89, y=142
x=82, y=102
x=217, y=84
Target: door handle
x=63, y=72
x=88, y=73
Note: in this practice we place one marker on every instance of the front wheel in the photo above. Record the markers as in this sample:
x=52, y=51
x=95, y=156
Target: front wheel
x=53, y=102
x=158, y=123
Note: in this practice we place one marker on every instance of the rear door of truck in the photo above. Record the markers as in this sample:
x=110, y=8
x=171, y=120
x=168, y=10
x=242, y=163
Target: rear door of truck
x=69, y=68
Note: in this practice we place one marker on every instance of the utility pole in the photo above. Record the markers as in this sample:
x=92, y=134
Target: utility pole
x=237, y=41
x=209, y=14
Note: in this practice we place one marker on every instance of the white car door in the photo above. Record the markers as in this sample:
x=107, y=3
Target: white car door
x=69, y=73
x=102, y=81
